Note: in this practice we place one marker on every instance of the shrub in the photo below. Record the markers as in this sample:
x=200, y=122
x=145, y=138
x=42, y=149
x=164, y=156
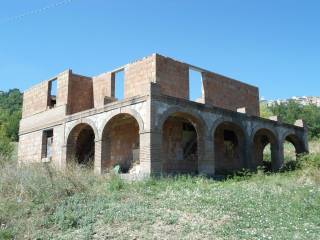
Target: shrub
x=311, y=160
x=6, y=147
x=116, y=183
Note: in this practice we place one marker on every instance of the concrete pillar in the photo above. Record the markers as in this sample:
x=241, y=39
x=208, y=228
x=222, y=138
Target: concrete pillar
x=150, y=153
x=98, y=157
x=206, y=159
x=278, y=152
x=248, y=154
x=63, y=160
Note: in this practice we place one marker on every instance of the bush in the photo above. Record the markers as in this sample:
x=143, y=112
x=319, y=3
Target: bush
x=311, y=160
x=6, y=147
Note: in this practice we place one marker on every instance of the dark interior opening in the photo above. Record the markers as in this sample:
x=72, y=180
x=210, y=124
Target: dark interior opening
x=121, y=144
x=180, y=146
x=47, y=141
x=52, y=98
x=85, y=147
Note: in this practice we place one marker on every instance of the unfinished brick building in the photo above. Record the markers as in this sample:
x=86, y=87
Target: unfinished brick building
x=157, y=127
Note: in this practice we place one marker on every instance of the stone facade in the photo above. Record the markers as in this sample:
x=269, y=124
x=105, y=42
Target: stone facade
x=156, y=128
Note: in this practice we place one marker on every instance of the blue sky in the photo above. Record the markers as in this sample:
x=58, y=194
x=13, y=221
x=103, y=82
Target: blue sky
x=272, y=44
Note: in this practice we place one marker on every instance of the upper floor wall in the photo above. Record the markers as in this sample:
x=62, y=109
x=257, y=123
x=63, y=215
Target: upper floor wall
x=79, y=93
x=66, y=89
x=173, y=79
x=217, y=90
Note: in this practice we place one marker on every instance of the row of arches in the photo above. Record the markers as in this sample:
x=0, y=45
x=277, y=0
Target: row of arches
x=183, y=144
x=119, y=143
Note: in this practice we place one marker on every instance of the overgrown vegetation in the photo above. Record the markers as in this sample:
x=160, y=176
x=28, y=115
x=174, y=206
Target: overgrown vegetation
x=38, y=202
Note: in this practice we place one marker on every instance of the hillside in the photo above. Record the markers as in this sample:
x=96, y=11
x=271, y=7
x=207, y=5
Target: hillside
x=37, y=202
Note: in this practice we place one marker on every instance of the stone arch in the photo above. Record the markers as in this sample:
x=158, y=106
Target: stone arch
x=84, y=121
x=81, y=144
x=220, y=120
x=261, y=137
x=259, y=127
x=295, y=140
x=130, y=112
x=120, y=142
x=229, y=138
x=182, y=142
x=194, y=116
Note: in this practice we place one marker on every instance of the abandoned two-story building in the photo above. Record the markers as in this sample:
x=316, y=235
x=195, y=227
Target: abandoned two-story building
x=156, y=128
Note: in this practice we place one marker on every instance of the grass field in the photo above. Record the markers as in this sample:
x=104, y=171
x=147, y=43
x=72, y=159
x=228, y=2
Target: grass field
x=40, y=203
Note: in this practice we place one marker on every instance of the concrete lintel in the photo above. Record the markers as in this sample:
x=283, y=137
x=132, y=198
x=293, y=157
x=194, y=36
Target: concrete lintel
x=242, y=110
x=275, y=118
x=300, y=123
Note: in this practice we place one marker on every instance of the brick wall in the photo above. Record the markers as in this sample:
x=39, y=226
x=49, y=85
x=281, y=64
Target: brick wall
x=229, y=94
x=174, y=146
x=80, y=94
x=229, y=154
x=138, y=75
x=119, y=143
x=173, y=77
x=103, y=86
x=35, y=99
x=30, y=147
x=63, y=87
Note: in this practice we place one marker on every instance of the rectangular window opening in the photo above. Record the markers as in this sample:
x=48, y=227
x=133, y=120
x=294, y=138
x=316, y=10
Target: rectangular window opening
x=52, y=98
x=47, y=141
x=195, y=86
x=119, y=85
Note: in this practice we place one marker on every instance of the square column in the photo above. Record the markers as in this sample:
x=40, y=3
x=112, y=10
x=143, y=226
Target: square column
x=278, y=152
x=63, y=159
x=98, y=157
x=151, y=153
x=206, y=165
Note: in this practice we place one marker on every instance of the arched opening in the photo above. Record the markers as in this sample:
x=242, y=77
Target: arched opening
x=120, y=144
x=264, y=149
x=292, y=148
x=180, y=144
x=81, y=145
x=229, y=148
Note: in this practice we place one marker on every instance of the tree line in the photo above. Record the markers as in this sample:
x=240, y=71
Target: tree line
x=291, y=111
x=10, y=115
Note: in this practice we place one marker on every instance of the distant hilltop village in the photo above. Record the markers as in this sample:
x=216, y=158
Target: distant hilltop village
x=301, y=100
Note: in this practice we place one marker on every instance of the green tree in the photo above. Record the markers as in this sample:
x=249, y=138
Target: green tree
x=265, y=111
x=10, y=113
x=291, y=111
